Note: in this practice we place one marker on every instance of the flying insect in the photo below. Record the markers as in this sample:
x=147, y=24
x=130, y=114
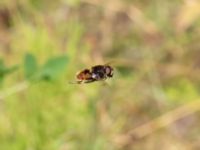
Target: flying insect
x=95, y=73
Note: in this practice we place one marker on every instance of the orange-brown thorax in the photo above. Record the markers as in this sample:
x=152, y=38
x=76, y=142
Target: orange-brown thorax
x=84, y=75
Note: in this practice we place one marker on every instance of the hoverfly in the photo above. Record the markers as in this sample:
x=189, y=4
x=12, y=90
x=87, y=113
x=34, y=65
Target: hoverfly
x=95, y=73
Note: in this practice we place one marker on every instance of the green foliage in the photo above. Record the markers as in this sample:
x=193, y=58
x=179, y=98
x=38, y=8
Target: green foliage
x=51, y=70
x=54, y=68
x=182, y=91
x=4, y=71
x=30, y=66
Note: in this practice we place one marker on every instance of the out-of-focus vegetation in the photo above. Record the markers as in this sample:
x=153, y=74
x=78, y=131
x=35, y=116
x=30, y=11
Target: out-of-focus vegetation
x=153, y=100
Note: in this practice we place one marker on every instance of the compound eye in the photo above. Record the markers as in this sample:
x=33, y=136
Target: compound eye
x=108, y=70
x=111, y=73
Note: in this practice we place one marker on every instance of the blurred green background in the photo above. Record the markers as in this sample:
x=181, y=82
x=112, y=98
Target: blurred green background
x=152, y=102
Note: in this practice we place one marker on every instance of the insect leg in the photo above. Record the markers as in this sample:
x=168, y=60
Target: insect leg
x=75, y=82
x=89, y=81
